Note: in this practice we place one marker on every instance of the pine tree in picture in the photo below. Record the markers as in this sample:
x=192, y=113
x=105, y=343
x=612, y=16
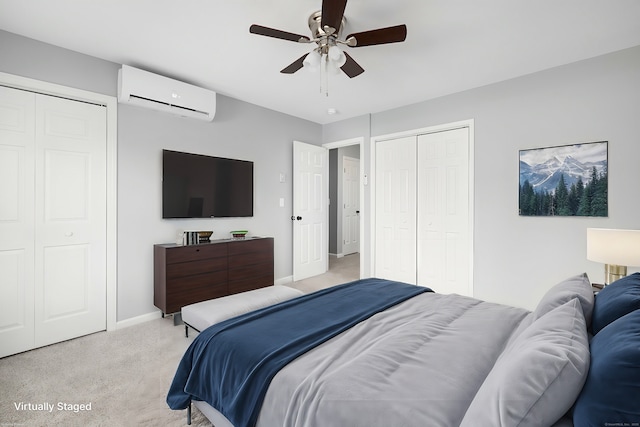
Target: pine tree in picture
x=568, y=180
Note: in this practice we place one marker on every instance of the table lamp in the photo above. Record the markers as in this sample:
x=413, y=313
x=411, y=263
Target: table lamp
x=617, y=249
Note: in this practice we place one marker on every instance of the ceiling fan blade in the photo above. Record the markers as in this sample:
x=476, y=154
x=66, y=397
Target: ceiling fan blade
x=332, y=13
x=351, y=68
x=394, y=34
x=278, y=34
x=294, y=66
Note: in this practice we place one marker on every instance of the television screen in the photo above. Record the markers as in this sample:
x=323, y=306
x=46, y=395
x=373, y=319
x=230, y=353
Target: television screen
x=198, y=186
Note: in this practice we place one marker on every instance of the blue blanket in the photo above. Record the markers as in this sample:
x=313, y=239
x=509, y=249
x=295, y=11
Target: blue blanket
x=230, y=365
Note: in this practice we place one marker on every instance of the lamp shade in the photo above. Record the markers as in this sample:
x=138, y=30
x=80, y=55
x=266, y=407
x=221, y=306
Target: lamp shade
x=337, y=56
x=613, y=246
x=312, y=61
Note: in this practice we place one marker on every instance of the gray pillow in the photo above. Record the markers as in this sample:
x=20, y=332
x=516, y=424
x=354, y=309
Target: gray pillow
x=536, y=380
x=574, y=287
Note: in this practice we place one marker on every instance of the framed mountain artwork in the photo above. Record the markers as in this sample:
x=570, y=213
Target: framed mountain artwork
x=567, y=180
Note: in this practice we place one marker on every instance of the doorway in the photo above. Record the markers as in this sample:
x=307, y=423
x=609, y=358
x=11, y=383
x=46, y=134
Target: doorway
x=311, y=243
x=311, y=237
x=345, y=219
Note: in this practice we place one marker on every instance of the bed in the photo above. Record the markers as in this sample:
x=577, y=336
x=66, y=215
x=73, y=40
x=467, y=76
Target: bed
x=379, y=353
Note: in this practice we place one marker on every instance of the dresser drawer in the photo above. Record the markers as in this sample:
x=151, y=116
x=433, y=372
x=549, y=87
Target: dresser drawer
x=196, y=252
x=192, y=289
x=183, y=284
x=242, y=254
x=193, y=268
x=247, y=282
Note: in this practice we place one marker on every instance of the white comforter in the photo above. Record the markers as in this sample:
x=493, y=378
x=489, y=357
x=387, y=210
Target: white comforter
x=412, y=365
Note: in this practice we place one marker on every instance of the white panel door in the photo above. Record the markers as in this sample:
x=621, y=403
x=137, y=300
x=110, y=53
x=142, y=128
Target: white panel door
x=395, y=246
x=310, y=210
x=17, y=110
x=70, y=219
x=350, y=205
x=443, y=211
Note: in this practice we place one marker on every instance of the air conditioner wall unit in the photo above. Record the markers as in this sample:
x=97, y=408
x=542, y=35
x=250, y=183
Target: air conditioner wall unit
x=145, y=89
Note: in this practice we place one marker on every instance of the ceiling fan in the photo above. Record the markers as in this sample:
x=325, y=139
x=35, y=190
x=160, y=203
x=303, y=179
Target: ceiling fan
x=325, y=26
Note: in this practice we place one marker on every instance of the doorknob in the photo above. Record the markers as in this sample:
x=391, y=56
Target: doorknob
x=293, y=218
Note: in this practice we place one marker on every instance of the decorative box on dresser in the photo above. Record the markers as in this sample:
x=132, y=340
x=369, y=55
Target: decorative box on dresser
x=188, y=274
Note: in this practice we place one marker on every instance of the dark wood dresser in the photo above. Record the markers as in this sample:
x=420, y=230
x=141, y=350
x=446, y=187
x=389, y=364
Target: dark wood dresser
x=185, y=275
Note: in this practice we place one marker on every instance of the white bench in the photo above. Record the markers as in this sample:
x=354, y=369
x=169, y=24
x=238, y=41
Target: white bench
x=201, y=315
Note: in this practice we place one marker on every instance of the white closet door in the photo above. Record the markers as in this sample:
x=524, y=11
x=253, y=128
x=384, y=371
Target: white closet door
x=310, y=210
x=16, y=220
x=350, y=205
x=395, y=247
x=443, y=211
x=70, y=222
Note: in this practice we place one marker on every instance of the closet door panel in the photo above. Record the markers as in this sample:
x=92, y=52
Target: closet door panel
x=443, y=211
x=396, y=210
x=16, y=220
x=70, y=223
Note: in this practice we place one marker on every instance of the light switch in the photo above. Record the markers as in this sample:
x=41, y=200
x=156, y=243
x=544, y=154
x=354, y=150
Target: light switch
x=283, y=177
x=282, y=202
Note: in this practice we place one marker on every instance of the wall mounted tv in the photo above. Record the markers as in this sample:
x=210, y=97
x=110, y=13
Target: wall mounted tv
x=198, y=186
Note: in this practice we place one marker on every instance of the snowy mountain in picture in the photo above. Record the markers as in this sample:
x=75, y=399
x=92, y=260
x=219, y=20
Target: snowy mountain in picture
x=543, y=167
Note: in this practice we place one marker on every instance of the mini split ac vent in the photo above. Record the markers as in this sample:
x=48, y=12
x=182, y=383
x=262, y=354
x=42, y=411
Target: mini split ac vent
x=149, y=90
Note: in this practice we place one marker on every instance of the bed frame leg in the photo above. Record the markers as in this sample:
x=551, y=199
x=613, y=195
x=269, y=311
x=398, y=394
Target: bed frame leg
x=186, y=331
x=189, y=414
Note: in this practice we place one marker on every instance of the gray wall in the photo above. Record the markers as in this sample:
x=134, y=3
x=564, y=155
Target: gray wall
x=36, y=60
x=516, y=259
x=239, y=130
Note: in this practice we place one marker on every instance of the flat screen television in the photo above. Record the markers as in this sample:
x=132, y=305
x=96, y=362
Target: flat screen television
x=199, y=186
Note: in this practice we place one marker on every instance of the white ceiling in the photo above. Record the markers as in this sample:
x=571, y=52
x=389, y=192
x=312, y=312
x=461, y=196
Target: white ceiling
x=452, y=45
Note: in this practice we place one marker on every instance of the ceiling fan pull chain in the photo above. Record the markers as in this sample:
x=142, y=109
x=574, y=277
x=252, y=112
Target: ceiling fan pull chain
x=324, y=75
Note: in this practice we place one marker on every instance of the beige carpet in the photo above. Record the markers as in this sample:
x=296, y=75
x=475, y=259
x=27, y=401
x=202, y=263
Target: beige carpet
x=123, y=375
x=341, y=270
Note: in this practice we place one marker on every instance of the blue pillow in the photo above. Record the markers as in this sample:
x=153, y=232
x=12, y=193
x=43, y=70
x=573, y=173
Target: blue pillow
x=611, y=394
x=616, y=300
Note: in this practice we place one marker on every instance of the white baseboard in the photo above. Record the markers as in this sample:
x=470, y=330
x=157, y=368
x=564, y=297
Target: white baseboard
x=157, y=314
x=138, y=319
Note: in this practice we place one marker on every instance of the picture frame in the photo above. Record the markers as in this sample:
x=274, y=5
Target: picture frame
x=565, y=180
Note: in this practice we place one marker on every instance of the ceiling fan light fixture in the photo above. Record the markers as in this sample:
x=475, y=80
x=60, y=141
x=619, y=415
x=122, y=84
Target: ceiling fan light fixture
x=312, y=61
x=333, y=68
x=337, y=56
